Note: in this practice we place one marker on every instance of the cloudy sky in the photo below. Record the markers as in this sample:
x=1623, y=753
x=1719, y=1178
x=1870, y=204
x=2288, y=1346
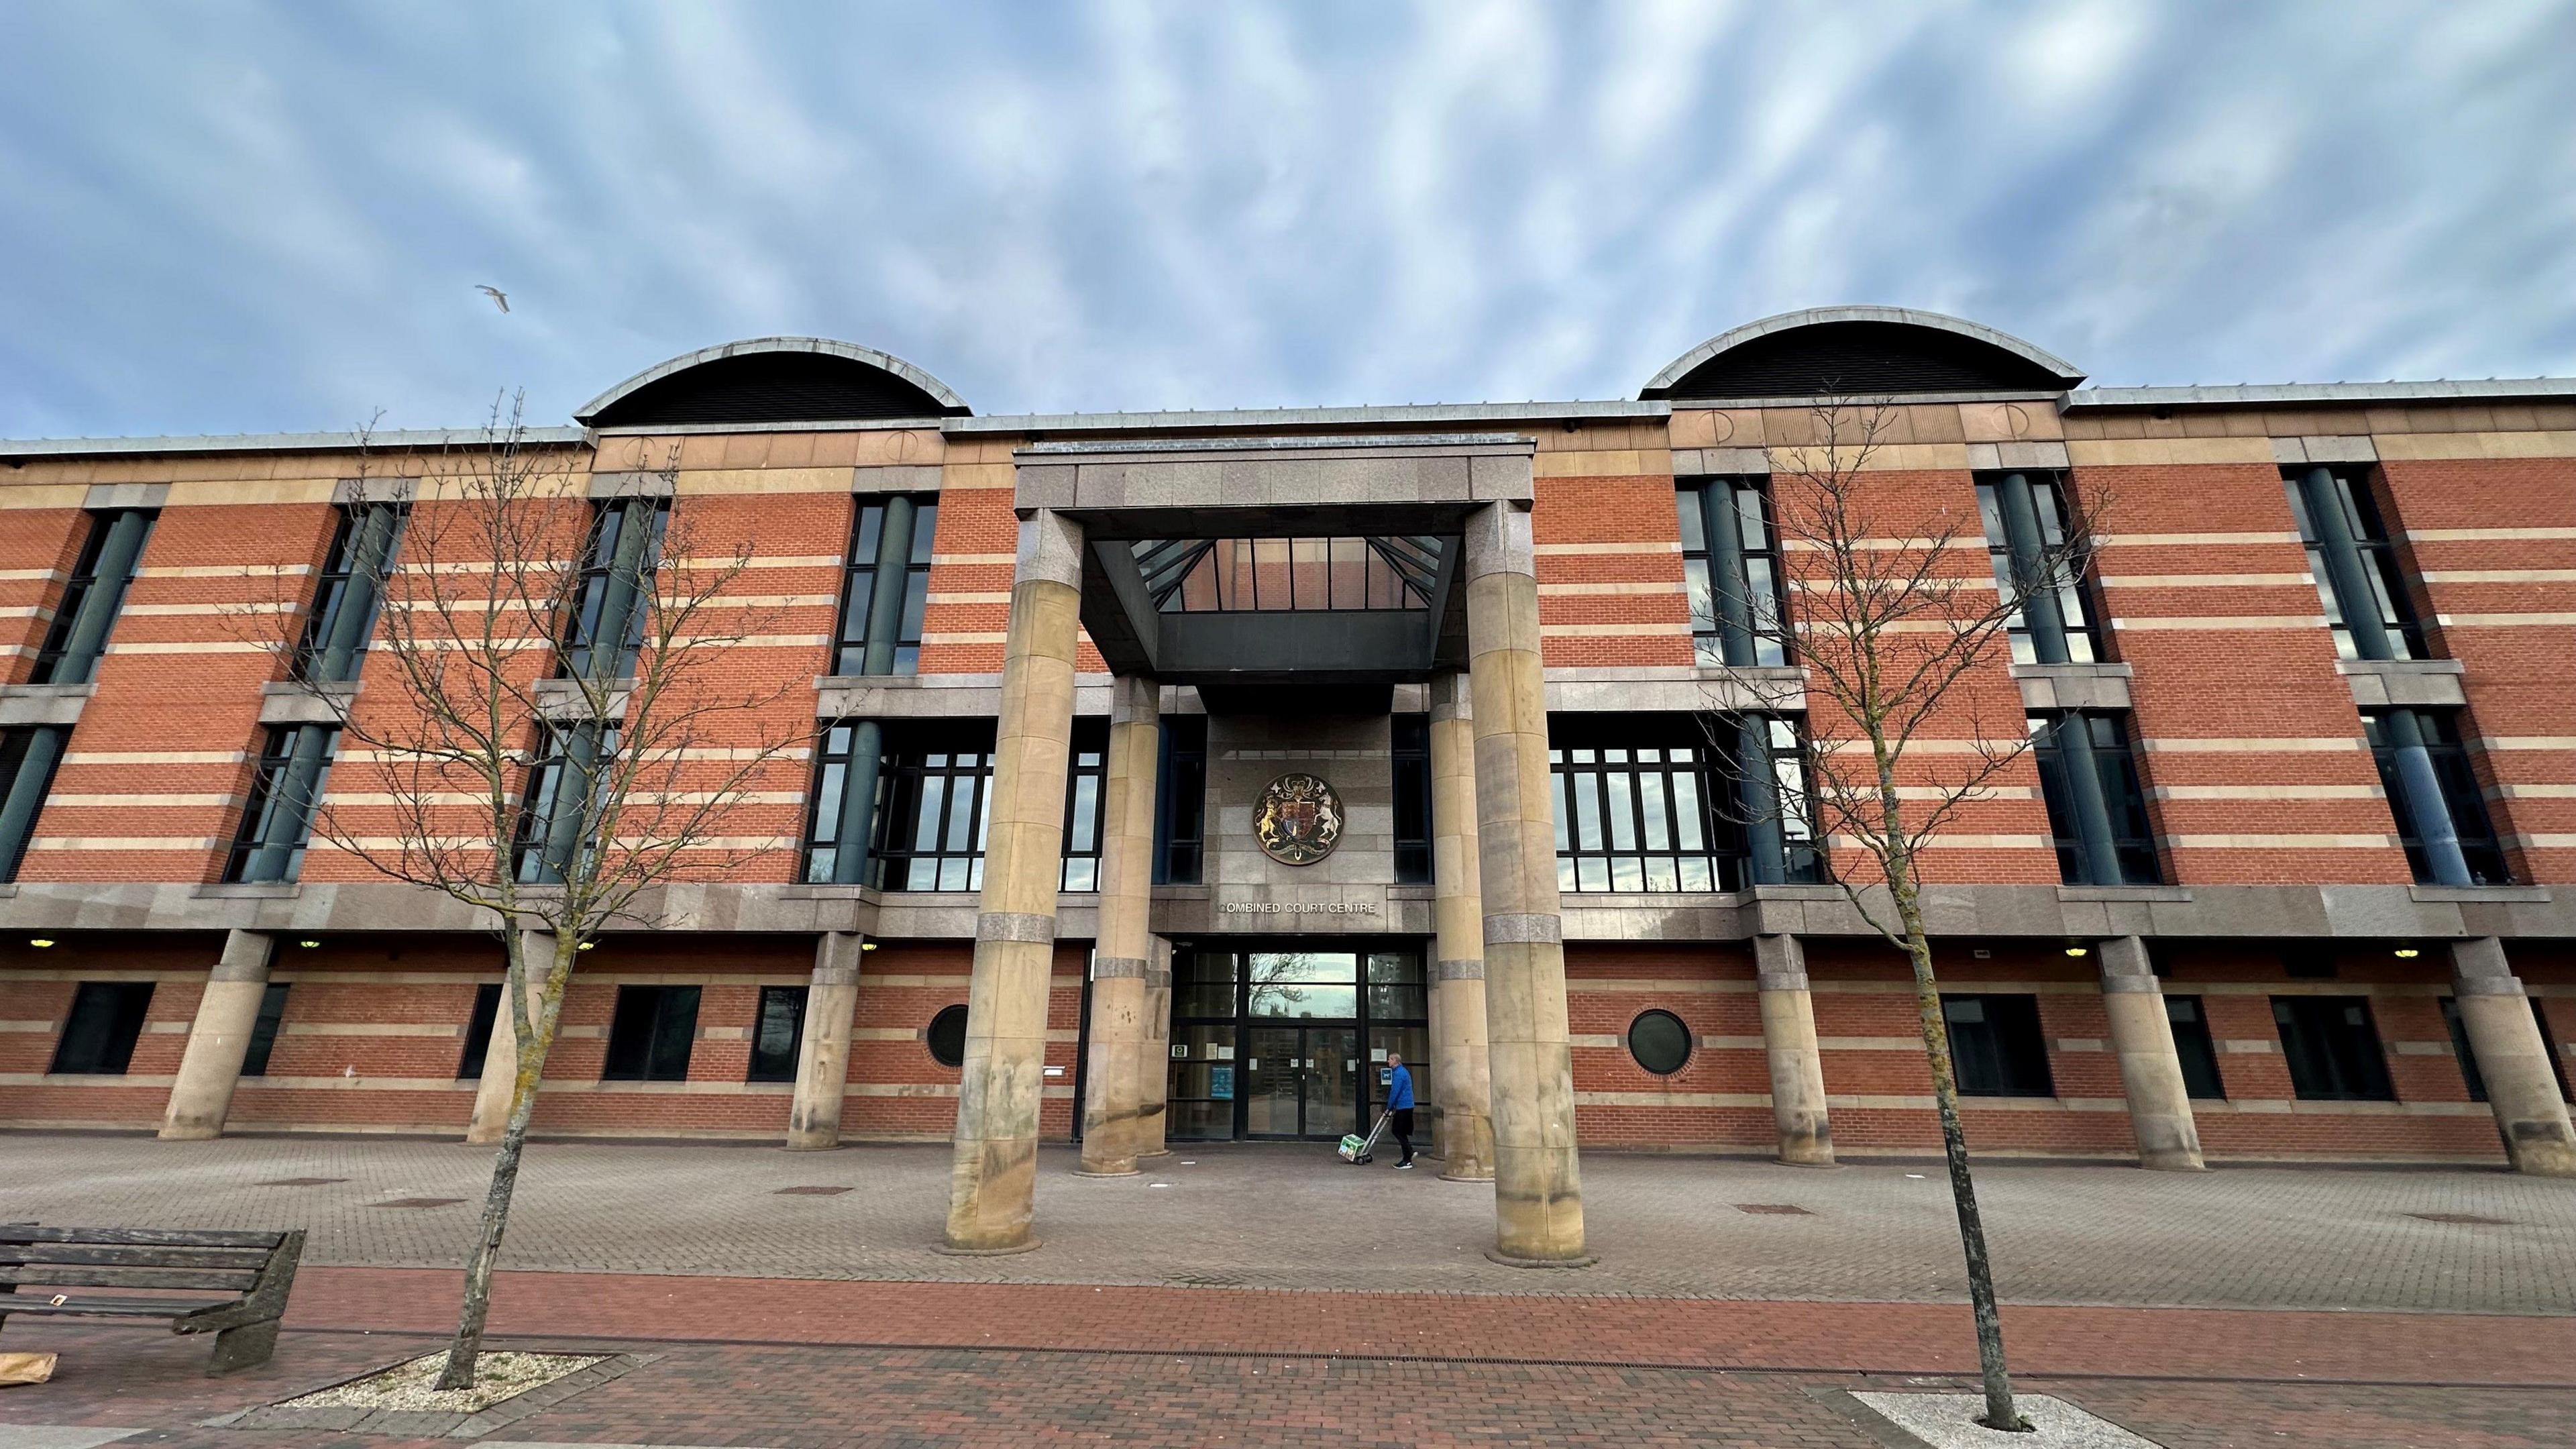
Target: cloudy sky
x=238, y=217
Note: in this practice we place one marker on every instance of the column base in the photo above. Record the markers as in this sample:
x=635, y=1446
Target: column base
x=1109, y=1172
x=1466, y=1177
x=190, y=1134
x=2172, y=1164
x=1507, y=1260
x=945, y=1251
x=831, y=1146
x=1825, y=1161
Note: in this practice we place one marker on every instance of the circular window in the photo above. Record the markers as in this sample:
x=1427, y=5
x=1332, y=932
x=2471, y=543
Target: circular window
x=1659, y=1042
x=948, y=1037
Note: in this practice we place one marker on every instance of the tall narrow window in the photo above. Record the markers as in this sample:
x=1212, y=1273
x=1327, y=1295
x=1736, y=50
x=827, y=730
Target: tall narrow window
x=888, y=587
x=2433, y=794
x=1731, y=564
x=828, y=833
x=610, y=607
x=2355, y=563
x=555, y=822
x=1411, y=736
x=263, y=1031
x=650, y=1034
x=87, y=610
x=1773, y=802
x=478, y=1031
x=2332, y=1047
x=1180, y=801
x=27, y=761
x=350, y=591
x=2097, y=814
x=278, y=822
x=2192, y=1044
x=1086, y=776
x=2038, y=567
x=1996, y=1049
x=776, y=1033
x=106, y=1021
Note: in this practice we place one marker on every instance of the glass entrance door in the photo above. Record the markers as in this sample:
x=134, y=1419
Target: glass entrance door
x=1300, y=1081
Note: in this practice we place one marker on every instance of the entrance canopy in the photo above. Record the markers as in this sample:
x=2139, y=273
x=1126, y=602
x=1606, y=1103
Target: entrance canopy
x=1297, y=573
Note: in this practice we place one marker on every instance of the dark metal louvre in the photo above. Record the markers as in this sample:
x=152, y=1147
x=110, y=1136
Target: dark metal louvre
x=772, y=387
x=1848, y=358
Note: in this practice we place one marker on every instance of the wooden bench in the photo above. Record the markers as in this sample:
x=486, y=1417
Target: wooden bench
x=103, y=1272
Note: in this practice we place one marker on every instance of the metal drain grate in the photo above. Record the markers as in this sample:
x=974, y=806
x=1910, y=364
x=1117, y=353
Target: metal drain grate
x=810, y=1192
x=299, y=1182
x=2471, y=1220
x=421, y=1202
x=1786, y=1209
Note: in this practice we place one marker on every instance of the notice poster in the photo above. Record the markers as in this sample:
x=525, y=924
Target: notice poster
x=1221, y=1083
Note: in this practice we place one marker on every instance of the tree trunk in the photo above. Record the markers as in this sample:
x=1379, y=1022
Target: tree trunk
x=465, y=1351
x=2000, y=1413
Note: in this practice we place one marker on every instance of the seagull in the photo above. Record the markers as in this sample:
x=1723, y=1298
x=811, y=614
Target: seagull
x=499, y=299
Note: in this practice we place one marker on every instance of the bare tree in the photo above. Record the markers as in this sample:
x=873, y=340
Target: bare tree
x=550, y=731
x=1899, y=623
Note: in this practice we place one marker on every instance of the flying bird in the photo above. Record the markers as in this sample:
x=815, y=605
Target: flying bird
x=499, y=298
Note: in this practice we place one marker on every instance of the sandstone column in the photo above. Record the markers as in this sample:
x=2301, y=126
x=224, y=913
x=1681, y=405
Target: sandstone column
x=1789, y=1040
x=823, y=1056
x=1460, y=1063
x=501, y=1058
x=2496, y=1014
x=2150, y=1069
x=993, y=1177
x=1153, y=1061
x=1538, y=1192
x=211, y=1066
x=1113, y=1082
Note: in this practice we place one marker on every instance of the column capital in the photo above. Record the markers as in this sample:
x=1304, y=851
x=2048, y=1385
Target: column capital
x=1498, y=541
x=1779, y=963
x=1449, y=696
x=1135, y=699
x=1050, y=549
x=246, y=956
x=2479, y=968
x=836, y=958
x=2125, y=966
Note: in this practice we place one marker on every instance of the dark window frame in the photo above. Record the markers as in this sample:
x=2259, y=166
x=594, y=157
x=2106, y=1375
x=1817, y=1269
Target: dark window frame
x=82, y=582
x=267, y=783
x=2124, y=794
x=264, y=1029
x=1409, y=759
x=950, y=857
x=1180, y=802
x=482, y=1019
x=858, y=584
x=2050, y=496
x=16, y=745
x=1086, y=803
x=642, y=1030
x=2381, y=564
x=2187, y=1017
x=2333, y=1060
x=764, y=1063
x=1610, y=803
x=2004, y=1050
x=1765, y=578
x=582, y=621
x=1659, y=1015
x=114, y=1014
x=548, y=766
x=2463, y=799
x=340, y=580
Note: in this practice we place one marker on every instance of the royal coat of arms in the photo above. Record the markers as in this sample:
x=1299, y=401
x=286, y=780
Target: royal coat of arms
x=1299, y=821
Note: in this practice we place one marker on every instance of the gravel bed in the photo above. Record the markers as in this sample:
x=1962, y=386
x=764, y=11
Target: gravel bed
x=497, y=1376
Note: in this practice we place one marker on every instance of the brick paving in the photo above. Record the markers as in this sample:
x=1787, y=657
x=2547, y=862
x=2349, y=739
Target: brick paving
x=1291, y=1217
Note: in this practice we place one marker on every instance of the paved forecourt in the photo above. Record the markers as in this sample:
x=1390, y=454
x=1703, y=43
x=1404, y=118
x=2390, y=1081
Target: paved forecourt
x=1292, y=1217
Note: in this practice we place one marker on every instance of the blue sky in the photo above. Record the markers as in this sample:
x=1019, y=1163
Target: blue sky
x=237, y=217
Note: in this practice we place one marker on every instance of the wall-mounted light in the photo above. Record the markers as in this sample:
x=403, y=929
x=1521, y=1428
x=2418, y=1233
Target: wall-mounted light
x=867, y=945
x=40, y=942
x=308, y=945
x=586, y=945
x=2407, y=953
x=2079, y=950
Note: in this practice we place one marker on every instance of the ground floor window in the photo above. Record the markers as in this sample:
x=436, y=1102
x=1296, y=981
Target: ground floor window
x=650, y=1035
x=1293, y=1042
x=106, y=1021
x=478, y=1031
x=263, y=1032
x=776, y=1034
x=2192, y=1044
x=1996, y=1049
x=2332, y=1047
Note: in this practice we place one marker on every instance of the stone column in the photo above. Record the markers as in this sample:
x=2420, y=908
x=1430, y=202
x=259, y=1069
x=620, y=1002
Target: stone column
x=1153, y=1060
x=501, y=1058
x=823, y=1056
x=1113, y=1082
x=2150, y=1068
x=993, y=1177
x=1538, y=1190
x=1460, y=1063
x=2511, y=1056
x=211, y=1066
x=1789, y=1040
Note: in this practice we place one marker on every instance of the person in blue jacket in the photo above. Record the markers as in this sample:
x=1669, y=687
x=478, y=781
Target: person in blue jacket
x=1399, y=1105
